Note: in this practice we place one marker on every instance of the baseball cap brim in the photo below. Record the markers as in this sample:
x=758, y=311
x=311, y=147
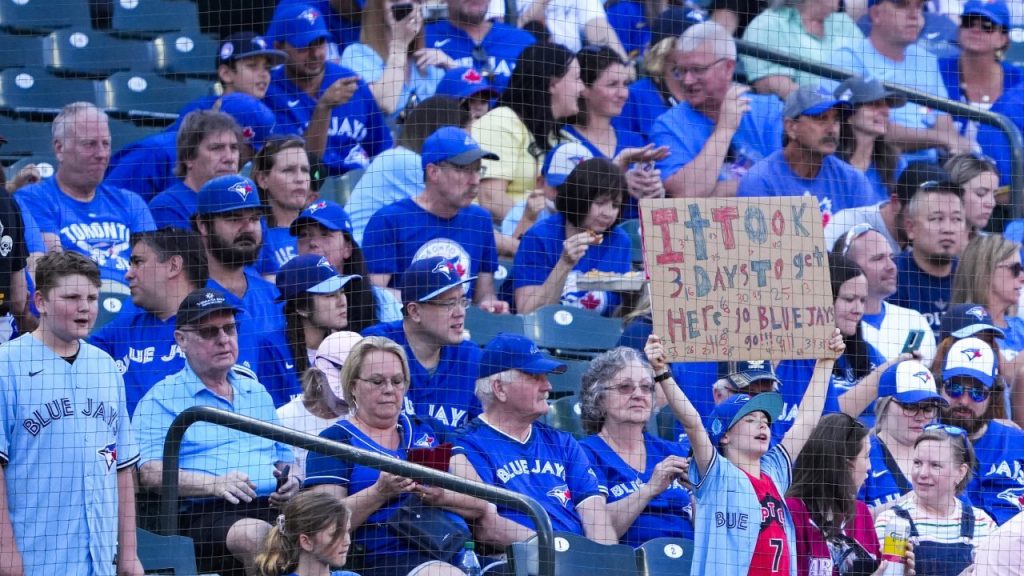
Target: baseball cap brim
x=973, y=329
x=825, y=106
x=274, y=57
x=987, y=379
x=445, y=288
x=304, y=39
x=303, y=220
x=471, y=91
x=332, y=285
x=743, y=379
x=470, y=156
x=197, y=317
x=769, y=402
x=918, y=396
x=543, y=365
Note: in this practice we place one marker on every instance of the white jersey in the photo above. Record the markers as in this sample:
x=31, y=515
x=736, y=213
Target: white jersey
x=897, y=322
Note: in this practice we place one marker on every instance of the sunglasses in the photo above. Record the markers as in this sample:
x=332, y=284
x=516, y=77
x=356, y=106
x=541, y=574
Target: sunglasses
x=855, y=233
x=948, y=429
x=957, y=389
x=482, y=61
x=212, y=332
x=626, y=388
x=976, y=21
x=1016, y=268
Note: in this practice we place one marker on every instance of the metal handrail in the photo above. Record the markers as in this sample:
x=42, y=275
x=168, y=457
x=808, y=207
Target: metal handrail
x=172, y=446
x=942, y=104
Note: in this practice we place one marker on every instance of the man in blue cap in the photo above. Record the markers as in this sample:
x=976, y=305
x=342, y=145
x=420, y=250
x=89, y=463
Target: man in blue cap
x=442, y=364
x=441, y=221
x=506, y=447
x=326, y=103
x=807, y=162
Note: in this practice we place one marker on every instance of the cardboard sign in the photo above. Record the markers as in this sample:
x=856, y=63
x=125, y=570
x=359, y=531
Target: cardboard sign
x=738, y=278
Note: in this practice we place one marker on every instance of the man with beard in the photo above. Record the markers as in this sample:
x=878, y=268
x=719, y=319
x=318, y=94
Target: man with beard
x=935, y=228
x=229, y=220
x=807, y=164
x=491, y=48
x=970, y=371
x=884, y=325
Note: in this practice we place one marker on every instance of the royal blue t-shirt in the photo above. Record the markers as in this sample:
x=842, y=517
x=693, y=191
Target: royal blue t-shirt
x=145, y=166
x=921, y=291
x=174, y=206
x=837, y=186
x=998, y=484
x=279, y=246
x=446, y=394
x=100, y=228
x=541, y=247
x=645, y=104
x=668, y=515
x=623, y=139
x=992, y=140
x=550, y=467
x=503, y=44
x=357, y=131
x=845, y=381
x=402, y=233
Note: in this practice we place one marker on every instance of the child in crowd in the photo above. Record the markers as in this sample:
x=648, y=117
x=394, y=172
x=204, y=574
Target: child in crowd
x=311, y=535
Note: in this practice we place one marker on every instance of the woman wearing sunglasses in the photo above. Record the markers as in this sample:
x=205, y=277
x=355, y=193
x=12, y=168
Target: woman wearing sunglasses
x=646, y=476
x=944, y=528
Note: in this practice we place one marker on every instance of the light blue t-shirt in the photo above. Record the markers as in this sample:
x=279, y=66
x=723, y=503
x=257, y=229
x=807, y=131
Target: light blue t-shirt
x=364, y=61
x=395, y=174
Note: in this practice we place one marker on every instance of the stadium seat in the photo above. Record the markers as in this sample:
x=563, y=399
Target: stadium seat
x=123, y=133
x=564, y=414
x=575, y=555
x=664, y=425
x=665, y=557
x=572, y=332
x=92, y=54
x=46, y=163
x=154, y=17
x=632, y=228
x=35, y=93
x=186, y=53
x=338, y=188
x=41, y=16
x=16, y=50
x=26, y=138
x=141, y=96
x=1015, y=51
x=113, y=296
x=484, y=326
x=166, y=554
x=568, y=384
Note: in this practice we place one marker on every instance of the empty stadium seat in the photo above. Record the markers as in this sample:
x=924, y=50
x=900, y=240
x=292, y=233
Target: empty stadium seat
x=186, y=53
x=572, y=332
x=564, y=414
x=166, y=554
x=575, y=555
x=17, y=50
x=665, y=556
x=36, y=93
x=338, y=188
x=46, y=163
x=632, y=229
x=484, y=326
x=84, y=52
x=41, y=16
x=1015, y=51
x=27, y=138
x=112, y=298
x=568, y=384
x=154, y=16
x=141, y=96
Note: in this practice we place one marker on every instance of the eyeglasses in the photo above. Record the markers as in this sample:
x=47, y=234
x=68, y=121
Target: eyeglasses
x=379, y=383
x=212, y=332
x=482, y=61
x=479, y=170
x=957, y=389
x=1015, y=268
x=450, y=305
x=977, y=21
x=915, y=410
x=697, y=71
x=627, y=387
x=854, y=233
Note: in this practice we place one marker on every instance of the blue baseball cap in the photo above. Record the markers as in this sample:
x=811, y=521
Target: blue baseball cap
x=562, y=160
x=310, y=273
x=909, y=382
x=729, y=412
x=810, y=101
x=966, y=320
x=228, y=193
x=515, y=352
x=971, y=358
x=328, y=214
x=426, y=278
x=299, y=25
x=252, y=115
x=242, y=45
x=452, y=145
x=465, y=83
x=995, y=10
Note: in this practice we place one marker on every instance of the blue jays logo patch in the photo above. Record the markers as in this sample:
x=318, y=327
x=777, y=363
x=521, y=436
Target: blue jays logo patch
x=978, y=312
x=971, y=353
x=1014, y=496
x=310, y=15
x=561, y=493
x=109, y=455
x=424, y=441
x=318, y=206
x=924, y=376
x=243, y=189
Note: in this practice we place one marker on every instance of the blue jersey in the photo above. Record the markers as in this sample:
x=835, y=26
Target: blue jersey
x=882, y=486
x=145, y=352
x=623, y=139
x=174, y=206
x=64, y=435
x=374, y=534
x=795, y=376
x=403, y=232
x=541, y=248
x=502, y=44
x=844, y=380
x=837, y=186
x=445, y=393
x=992, y=140
x=921, y=291
x=685, y=131
x=357, y=131
x=100, y=228
x=279, y=246
x=145, y=166
x=668, y=514
x=646, y=102
x=998, y=484
x=549, y=466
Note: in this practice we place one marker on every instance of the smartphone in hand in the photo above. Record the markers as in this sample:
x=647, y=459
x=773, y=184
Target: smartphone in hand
x=913, y=342
x=283, y=478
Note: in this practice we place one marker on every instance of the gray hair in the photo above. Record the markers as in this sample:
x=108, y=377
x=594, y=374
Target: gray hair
x=485, y=391
x=600, y=372
x=712, y=33
x=62, y=124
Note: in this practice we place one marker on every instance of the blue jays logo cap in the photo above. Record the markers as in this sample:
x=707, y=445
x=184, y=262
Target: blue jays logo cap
x=729, y=412
x=464, y=83
x=516, y=352
x=971, y=358
x=310, y=273
x=328, y=214
x=199, y=304
x=909, y=382
x=228, y=193
x=454, y=146
x=427, y=278
x=966, y=320
x=562, y=160
x=298, y=24
x=253, y=116
x=242, y=45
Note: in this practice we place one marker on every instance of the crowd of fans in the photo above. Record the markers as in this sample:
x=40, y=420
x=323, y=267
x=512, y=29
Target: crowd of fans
x=471, y=142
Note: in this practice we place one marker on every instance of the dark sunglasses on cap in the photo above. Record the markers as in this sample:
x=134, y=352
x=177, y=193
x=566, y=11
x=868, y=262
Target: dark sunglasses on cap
x=955, y=389
x=976, y=20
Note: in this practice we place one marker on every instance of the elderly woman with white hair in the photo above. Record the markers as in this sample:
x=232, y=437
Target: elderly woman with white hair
x=646, y=476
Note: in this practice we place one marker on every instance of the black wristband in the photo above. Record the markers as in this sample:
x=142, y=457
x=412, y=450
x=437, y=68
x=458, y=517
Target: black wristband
x=663, y=376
